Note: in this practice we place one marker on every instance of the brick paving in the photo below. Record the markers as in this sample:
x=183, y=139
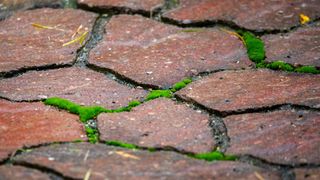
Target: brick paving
x=112, y=60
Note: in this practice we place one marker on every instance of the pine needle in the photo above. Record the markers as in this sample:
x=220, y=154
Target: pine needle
x=79, y=39
x=235, y=34
x=126, y=155
x=87, y=176
x=45, y=27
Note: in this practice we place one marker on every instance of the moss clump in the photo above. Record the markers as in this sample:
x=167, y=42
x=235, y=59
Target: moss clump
x=85, y=112
x=122, y=144
x=213, y=156
x=92, y=135
x=181, y=84
x=158, y=93
x=280, y=65
x=255, y=46
x=308, y=69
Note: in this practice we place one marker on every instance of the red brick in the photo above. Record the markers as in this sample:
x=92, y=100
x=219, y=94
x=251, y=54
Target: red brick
x=231, y=91
x=299, y=47
x=30, y=124
x=8, y=172
x=75, y=160
x=250, y=14
x=24, y=46
x=159, y=123
x=284, y=137
x=153, y=53
x=307, y=174
x=135, y=5
x=80, y=85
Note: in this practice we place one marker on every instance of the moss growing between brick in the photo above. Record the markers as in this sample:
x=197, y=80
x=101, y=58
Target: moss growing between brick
x=213, y=156
x=255, y=46
x=280, y=65
x=92, y=135
x=307, y=69
x=86, y=112
x=158, y=93
x=122, y=144
x=181, y=84
x=191, y=30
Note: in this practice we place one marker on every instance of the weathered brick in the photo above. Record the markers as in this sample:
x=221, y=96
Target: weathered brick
x=30, y=124
x=284, y=137
x=307, y=174
x=159, y=123
x=232, y=91
x=24, y=46
x=8, y=172
x=75, y=160
x=134, y=5
x=299, y=47
x=250, y=14
x=80, y=85
x=153, y=53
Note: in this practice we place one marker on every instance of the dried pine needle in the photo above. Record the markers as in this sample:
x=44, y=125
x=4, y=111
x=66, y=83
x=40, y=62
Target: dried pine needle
x=79, y=39
x=36, y=25
x=126, y=155
x=87, y=175
x=235, y=34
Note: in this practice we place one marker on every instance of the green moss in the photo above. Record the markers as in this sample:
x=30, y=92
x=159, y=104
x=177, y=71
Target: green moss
x=255, y=46
x=308, y=69
x=280, y=65
x=85, y=112
x=213, y=156
x=92, y=135
x=181, y=84
x=69, y=4
x=122, y=144
x=158, y=93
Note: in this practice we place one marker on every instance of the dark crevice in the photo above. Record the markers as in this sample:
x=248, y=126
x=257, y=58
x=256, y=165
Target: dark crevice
x=277, y=107
x=220, y=133
x=95, y=37
x=114, y=10
x=15, y=73
x=20, y=101
x=121, y=78
x=43, y=169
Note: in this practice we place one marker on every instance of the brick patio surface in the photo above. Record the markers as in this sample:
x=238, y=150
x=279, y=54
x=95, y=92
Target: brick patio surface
x=160, y=89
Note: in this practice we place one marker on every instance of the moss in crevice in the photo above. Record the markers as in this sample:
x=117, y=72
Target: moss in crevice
x=255, y=46
x=92, y=134
x=214, y=156
x=154, y=94
x=69, y=4
x=181, y=84
x=122, y=144
x=280, y=65
x=86, y=112
x=192, y=30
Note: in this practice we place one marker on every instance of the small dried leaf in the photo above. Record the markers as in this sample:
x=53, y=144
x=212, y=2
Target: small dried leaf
x=126, y=155
x=304, y=19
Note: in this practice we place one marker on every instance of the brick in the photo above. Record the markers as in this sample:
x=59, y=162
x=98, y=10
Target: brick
x=134, y=5
x=249, y=14
x=75, y=160
x=299, y=47
x=80, y=85
x=30, y=124
x=8, y=172
x=159, y=123
x=284, y=137
x=157, y=54
x=24, y=46
x=234, y=91
x=307, y=174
